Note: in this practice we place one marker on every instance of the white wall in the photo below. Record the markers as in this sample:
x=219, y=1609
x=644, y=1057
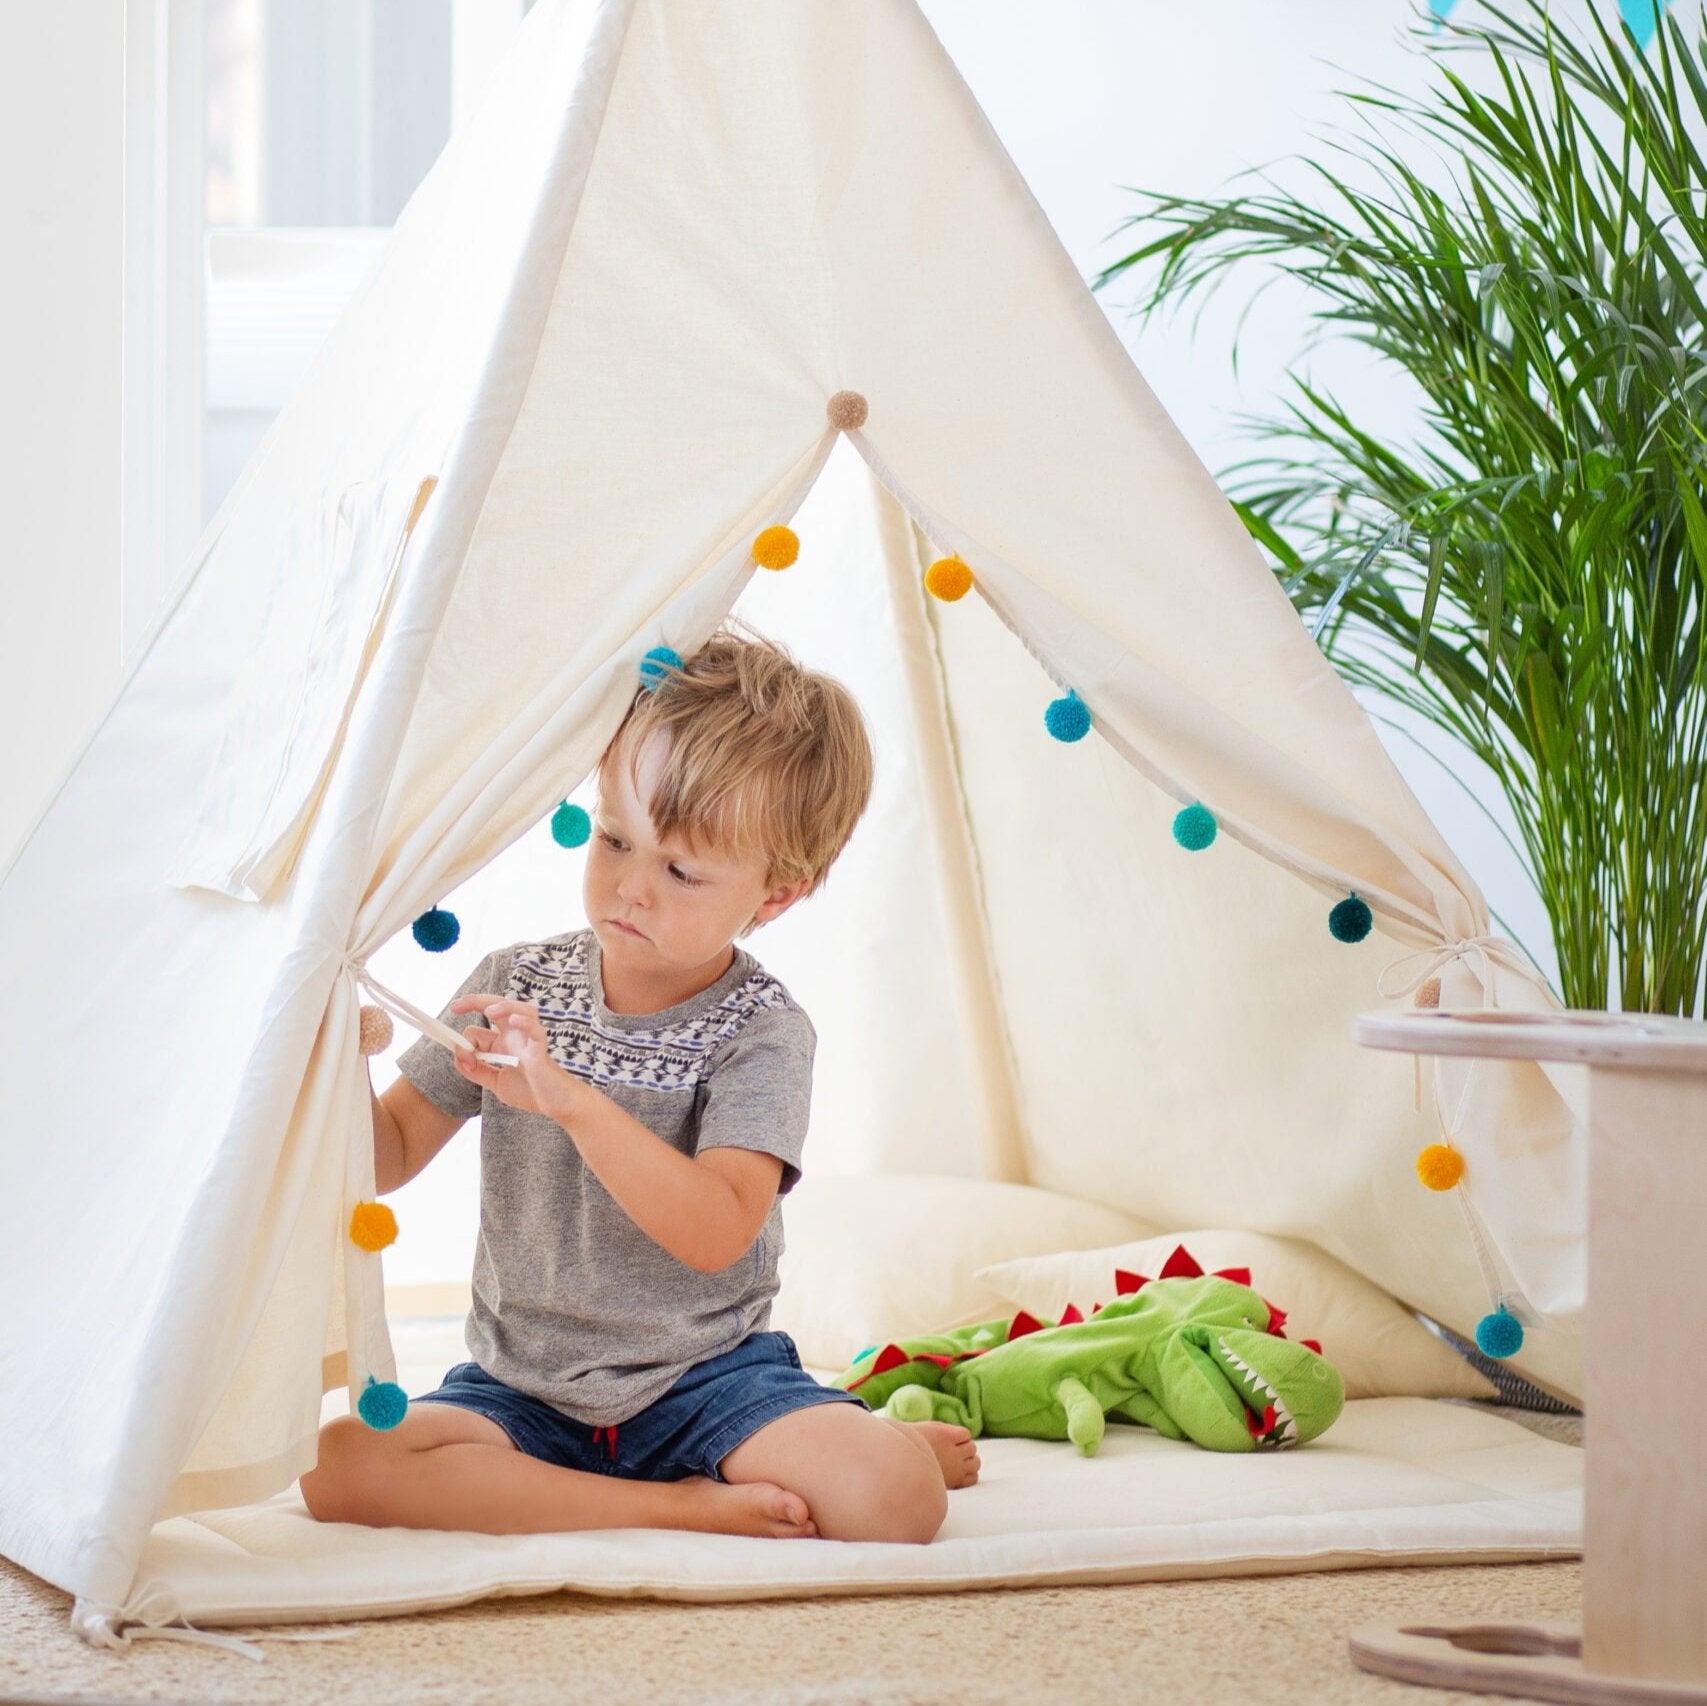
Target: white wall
x=61, y=235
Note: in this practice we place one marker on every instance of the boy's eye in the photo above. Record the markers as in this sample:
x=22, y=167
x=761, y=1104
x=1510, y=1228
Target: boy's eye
x=608, y=839
x=681, y=876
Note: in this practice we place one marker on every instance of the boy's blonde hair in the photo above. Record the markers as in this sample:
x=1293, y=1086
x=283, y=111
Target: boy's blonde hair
x=763, y=759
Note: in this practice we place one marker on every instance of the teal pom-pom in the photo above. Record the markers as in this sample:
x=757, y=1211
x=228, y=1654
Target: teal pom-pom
x=570, y=825
x=1194, y=828
x=1068, y=719
x=1499, y=1334
x=437, y=930
x=869, y=1351
x=656, y=666
x=382, y=1406
x=1351, y=920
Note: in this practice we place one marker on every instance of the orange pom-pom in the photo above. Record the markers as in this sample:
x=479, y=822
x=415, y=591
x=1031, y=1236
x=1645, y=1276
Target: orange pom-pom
x=373, y=1226
x=846, y=411
x=775, y=548
x=1428, y=992
x=948, y=579
x=375, y=1031
x=1440, y=1166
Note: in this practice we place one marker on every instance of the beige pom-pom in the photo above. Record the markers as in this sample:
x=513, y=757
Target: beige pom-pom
x=375, y=1030
x=1428, y=992
x=846, y=410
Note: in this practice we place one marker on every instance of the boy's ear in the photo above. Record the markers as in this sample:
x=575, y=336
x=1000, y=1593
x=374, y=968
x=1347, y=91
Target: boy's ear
x=781, y=898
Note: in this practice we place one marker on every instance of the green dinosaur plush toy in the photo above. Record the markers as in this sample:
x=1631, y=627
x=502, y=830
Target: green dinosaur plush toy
x=1195, y=1356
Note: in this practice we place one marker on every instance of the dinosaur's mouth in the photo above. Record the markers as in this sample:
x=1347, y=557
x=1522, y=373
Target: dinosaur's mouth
x=1269, y=1420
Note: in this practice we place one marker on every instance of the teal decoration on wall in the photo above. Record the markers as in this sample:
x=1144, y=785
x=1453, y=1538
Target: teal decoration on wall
x=1640, y=15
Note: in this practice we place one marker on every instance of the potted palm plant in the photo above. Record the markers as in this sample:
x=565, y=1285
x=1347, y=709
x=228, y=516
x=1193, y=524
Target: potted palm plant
x=1528, y=570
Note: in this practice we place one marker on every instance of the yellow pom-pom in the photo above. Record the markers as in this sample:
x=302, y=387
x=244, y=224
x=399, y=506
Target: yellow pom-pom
x=948, y=579
x=375, y=1031
x=846, y=411
x=775, y=548
x=1440, y=1166
x=1428, y=992
x=373, y=1226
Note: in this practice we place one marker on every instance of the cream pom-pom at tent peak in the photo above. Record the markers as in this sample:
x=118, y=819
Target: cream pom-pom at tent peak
x=516, y=469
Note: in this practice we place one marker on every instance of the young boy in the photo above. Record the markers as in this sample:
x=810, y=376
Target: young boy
x=633, y=1162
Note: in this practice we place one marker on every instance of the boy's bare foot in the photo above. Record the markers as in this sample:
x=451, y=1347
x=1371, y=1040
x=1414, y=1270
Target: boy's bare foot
x=956, y=1451
x=747, y=1507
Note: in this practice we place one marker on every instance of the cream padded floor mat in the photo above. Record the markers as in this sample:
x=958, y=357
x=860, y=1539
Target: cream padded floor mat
x=1395, y=1480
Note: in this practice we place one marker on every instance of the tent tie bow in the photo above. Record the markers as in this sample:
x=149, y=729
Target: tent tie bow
x=389, y=999
x=1413, y=970
x=153, y=1614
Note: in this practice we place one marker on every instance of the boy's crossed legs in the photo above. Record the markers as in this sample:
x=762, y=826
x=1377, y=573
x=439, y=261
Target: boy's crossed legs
x=834, y=1470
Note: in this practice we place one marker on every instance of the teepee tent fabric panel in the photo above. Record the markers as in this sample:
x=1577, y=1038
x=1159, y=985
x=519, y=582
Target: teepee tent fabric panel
x=1182, y=1021
x=743, y=284
x=160, y=1202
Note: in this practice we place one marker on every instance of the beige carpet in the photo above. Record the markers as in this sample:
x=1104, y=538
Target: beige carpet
x=1240, y=1642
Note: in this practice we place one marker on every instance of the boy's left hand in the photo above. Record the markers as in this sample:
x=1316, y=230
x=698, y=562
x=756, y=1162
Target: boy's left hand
x=538, y=1085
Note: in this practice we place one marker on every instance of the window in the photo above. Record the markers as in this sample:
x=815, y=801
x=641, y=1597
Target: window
x=321, y=117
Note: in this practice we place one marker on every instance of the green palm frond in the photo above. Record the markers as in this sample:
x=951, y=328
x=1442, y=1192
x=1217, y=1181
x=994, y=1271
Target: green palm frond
x=1527, y=255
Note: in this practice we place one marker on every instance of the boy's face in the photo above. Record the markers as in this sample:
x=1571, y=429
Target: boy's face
x=662, y=906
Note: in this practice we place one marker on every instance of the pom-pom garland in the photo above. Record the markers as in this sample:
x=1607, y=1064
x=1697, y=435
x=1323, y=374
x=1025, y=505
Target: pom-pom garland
x=1428, y=992
x=436, y=930
x=776, y=548
x=1068, y=719
x=374, y=1030
x=655, y=667
x=846, y=411
x=949, y=579
x=1440, y=1166
x=383, y=1405
x=1500, y=1334
x=1351, y=920
x=1194, y=828
x=570, y=825
x=372, y=1226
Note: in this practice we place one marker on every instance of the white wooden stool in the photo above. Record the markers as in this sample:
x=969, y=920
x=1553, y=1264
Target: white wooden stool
x=1644, y=1628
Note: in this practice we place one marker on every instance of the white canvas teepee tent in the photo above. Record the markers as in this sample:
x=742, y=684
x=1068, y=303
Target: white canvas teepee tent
x=593, y=364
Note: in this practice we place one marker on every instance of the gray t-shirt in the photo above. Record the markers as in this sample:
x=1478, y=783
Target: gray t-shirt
x=573, y=1303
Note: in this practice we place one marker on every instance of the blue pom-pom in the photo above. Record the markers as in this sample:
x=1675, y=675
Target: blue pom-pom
x=1499, y=1334
x=570, y=825
x=1351, y=920
x=1069, y=718
x=382, y=1406
x=1194, y=828
x=656, y=666
x=437, y=930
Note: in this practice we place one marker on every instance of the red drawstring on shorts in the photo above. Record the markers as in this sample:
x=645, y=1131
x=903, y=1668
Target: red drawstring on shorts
x=610, y=1439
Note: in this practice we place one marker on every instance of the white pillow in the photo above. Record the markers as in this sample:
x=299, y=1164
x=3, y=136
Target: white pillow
x=879, y=1256
x=1379, y=1347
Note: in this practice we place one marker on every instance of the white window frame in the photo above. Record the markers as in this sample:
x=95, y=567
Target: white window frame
x=161, y=452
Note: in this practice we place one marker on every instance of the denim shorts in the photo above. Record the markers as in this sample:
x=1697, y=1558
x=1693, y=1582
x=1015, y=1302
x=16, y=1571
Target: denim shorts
x=689, y=1431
